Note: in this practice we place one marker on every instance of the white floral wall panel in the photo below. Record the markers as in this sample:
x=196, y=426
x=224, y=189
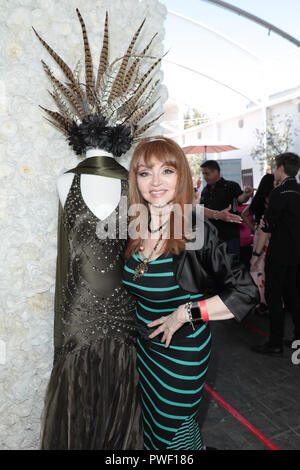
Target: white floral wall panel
x=32, y=155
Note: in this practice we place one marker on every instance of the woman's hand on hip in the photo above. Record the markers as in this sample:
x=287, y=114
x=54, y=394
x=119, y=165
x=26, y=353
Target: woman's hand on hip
x=169, y=324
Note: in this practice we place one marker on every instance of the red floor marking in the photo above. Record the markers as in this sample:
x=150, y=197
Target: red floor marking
x=251, y=327
x=241, y=419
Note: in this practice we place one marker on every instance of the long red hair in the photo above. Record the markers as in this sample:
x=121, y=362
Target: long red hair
x=170, y=153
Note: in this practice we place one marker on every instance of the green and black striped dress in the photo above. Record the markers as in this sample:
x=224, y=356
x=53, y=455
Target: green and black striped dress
x=171, y=379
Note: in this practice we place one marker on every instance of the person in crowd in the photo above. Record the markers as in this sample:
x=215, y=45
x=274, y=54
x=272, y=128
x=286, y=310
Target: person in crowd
x=220, y=198
x=246, y=239
x=282, y=221
x=169, y=276
x=196, y=196
x=252, y=216
x=199, y=187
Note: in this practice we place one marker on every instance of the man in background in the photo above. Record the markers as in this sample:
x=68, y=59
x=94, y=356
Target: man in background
x=282, y=269
x=220, y=198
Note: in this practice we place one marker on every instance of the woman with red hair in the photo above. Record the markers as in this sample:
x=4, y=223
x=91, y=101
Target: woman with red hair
x=169, y=273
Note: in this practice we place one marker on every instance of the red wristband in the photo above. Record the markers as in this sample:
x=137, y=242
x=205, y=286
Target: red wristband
x=203, y=310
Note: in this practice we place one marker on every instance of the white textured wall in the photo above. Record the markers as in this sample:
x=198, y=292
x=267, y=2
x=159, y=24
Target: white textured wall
x=32, y=155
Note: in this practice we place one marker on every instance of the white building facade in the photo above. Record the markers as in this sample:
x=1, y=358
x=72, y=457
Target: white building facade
x=237, y=130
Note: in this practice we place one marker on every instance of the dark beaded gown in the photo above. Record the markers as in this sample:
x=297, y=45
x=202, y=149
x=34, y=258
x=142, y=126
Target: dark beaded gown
x=91, y=401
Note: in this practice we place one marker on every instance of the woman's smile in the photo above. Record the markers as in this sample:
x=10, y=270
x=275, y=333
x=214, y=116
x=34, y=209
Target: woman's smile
x=158, y=193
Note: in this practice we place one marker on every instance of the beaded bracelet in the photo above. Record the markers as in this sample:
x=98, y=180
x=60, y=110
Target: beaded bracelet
x=187, y=307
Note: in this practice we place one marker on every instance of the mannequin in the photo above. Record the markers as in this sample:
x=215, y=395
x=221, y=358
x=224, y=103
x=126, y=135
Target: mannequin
x=100, y=193
x=94, y=374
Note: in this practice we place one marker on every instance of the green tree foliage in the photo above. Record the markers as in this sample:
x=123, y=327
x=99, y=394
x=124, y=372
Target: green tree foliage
x=196, y=119
x=278, y=138
x=195, y=166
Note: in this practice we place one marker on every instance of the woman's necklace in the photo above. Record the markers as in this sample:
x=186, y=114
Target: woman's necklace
x=142, y=267
x=156, y=229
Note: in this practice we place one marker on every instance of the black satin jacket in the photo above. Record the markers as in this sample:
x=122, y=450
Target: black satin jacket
x=196, y=269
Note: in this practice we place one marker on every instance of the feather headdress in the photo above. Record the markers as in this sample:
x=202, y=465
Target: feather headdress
x=108, y=109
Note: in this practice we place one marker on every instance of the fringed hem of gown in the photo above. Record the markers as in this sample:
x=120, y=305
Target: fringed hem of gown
x=92, y=399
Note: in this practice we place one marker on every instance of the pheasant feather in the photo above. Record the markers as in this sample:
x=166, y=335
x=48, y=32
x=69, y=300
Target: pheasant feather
x=118, y=85
x=107, y=81
x=134, y=100
x=63, y=105
x=103, y=63
x=117, y=108
x=58, y=103
x=71, y=97
x=61, y=128
x=89, y=75
x=142, y=129
x=131, y=71
x=64, y=67
x=153, y=66
x=142, y=112
x=77, y=69
x=57, y=117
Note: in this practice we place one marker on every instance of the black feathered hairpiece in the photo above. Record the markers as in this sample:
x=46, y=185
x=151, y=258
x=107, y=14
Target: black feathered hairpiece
x=107, y=111
x=94, y=133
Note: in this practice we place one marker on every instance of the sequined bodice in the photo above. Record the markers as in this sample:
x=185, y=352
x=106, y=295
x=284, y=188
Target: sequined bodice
x=95, y=303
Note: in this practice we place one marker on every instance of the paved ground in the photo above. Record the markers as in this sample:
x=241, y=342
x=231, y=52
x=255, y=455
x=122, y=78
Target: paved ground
x=263, y=390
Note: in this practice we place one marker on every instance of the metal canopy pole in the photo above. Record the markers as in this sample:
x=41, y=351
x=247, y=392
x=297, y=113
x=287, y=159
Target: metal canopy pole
x=270, y=27
x=256, y=19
